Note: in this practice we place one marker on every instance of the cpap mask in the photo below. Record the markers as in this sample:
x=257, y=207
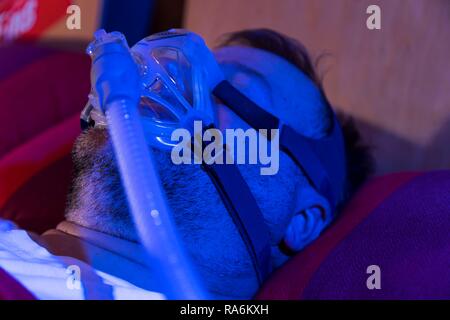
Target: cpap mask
x=178, y=78
x=174, y=88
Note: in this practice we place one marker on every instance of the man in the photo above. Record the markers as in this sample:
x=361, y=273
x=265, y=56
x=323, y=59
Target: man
x=99, y=232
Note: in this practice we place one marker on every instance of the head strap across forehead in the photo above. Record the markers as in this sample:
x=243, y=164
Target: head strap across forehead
x=321, y=160
x=291, y=91
x=297, y=102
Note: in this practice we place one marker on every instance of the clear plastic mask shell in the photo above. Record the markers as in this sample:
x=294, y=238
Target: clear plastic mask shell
x=175, y=84
x=174, y=89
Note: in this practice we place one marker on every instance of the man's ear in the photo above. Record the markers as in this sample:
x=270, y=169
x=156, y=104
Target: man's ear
x=312, y=216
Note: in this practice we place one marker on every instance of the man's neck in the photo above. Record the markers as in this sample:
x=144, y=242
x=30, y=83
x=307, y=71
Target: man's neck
x=112, y=255
x=118, y=257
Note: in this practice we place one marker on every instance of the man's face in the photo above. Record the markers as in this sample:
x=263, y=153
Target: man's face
x=205, y=226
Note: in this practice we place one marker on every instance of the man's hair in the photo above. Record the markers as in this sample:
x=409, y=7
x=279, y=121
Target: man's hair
x=360, y=163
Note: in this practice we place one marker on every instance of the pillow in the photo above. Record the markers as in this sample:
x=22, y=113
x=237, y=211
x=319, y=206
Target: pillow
x=44, y=88
x=11, y=289
x=399, y=223
x=35, y=178
x=43, y=91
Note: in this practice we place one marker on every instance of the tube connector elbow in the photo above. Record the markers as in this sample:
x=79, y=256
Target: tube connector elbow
x=114, y=74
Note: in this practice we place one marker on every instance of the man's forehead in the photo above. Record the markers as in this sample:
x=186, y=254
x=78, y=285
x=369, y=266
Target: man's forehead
x=248, y=69
x=250, y=82
x=291, y=90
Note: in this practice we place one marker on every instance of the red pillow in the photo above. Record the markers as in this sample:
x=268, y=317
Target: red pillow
x=43, y=91
x=11, y=289
x=35, y=177
x=39, y=88
x=398, y=222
